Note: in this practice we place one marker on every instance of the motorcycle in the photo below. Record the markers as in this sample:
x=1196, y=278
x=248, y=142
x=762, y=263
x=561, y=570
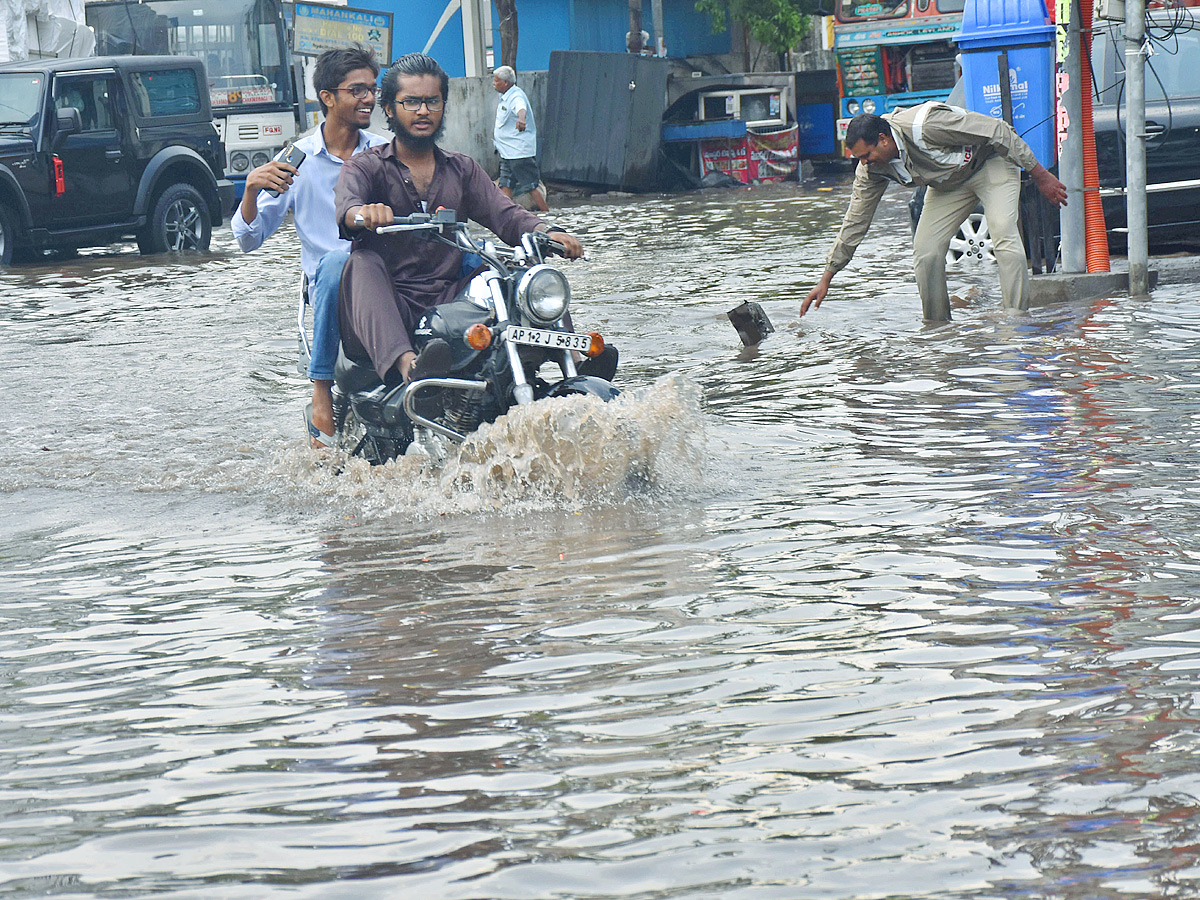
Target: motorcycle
x=478, y=355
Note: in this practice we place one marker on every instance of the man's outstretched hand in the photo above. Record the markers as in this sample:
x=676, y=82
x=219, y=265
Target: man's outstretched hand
x=1052, y=189
x=817, y=294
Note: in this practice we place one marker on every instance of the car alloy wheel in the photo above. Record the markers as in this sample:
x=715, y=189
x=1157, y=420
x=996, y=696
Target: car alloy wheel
x=972, y=245
x=180, y=222
x=182, y=225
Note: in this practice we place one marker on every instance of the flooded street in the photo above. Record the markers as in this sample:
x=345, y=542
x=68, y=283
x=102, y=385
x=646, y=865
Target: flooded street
x=879, y=610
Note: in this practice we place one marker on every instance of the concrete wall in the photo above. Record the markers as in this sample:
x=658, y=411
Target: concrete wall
x=471, y=115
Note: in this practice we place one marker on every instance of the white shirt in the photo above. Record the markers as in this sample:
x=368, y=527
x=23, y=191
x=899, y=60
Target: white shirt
x=513, y=144
x=310, y=198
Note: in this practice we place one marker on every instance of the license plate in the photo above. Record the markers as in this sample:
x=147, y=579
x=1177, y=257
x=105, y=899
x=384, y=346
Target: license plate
x=551, y=340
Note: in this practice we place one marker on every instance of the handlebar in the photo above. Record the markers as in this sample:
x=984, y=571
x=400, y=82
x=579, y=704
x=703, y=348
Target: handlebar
x=444, y=222
x=443, y=219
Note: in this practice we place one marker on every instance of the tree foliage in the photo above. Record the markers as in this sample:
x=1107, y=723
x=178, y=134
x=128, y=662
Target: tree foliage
x=778, y=24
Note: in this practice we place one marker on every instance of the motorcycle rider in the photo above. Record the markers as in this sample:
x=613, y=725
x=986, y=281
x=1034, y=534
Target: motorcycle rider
x=391, y=280
x=344, y=79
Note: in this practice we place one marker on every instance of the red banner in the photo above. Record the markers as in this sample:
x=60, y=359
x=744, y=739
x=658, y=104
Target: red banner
x=755, y=158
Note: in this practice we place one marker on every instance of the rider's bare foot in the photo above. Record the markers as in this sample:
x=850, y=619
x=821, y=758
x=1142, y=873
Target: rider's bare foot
x=322, y=407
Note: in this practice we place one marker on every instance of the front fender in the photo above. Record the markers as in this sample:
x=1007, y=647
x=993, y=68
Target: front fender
x=10, y=191
x=584, y=384
x=198, y=171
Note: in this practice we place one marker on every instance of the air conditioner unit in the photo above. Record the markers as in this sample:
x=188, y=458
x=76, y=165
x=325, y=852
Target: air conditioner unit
x=754, y=106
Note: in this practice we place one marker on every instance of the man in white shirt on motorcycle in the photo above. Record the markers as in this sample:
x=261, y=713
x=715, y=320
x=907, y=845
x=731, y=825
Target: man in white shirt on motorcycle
x=346, y=83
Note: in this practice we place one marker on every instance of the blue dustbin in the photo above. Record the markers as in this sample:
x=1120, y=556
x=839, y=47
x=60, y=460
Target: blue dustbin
x=1021, y=28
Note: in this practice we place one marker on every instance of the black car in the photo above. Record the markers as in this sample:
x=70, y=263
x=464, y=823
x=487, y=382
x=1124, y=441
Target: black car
x=1172, y=125
x=103, y=149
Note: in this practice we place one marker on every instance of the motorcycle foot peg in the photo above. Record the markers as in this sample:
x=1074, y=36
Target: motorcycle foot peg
x=751, y=322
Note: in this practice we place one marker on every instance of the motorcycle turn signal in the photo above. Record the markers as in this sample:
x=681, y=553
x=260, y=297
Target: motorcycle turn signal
x=597, y=346
x=479, y=336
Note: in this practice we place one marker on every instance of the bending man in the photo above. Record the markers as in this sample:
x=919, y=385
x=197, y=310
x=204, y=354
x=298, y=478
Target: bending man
x=391, y=280
x=964, y=158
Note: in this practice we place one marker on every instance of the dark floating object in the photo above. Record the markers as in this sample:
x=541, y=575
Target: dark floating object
x=751, y=323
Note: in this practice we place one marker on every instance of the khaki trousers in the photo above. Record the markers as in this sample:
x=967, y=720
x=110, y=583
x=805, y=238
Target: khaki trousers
x=997, y=185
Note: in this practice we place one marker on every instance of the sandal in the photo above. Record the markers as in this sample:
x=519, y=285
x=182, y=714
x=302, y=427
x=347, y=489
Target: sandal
x=317, y=439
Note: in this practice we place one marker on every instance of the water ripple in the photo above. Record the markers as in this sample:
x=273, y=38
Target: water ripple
x=874, y=610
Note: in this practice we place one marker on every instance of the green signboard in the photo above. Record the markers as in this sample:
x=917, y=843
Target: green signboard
x=317, y=28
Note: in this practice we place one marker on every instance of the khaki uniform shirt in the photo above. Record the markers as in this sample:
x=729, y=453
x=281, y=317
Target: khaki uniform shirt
x=940, y=146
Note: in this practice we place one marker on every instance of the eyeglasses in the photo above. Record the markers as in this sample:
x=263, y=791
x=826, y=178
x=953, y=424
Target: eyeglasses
x=359, y=91
x=412, y=104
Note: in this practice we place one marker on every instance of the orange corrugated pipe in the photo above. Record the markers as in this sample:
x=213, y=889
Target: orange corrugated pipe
x=1095, y=234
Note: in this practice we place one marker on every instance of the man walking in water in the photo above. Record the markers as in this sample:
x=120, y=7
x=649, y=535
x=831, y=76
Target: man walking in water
x=345, y=81
x=965, y=158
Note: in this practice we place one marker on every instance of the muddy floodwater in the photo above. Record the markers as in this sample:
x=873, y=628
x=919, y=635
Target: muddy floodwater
x=880, y=610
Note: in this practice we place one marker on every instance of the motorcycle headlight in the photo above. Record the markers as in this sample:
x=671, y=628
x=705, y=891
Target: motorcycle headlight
x=543, y=294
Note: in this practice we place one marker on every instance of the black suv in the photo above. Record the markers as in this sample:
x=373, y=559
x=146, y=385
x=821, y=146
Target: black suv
x=1172, y=125
x=102, y=149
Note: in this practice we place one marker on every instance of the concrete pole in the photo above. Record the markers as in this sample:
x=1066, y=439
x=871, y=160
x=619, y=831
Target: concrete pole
x=473, y=44
x=660, y=39
x=1135, y=147
x=1070, y=148
x=491, y=54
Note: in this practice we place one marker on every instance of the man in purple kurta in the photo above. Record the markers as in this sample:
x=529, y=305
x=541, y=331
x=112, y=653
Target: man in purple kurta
x=392, y=280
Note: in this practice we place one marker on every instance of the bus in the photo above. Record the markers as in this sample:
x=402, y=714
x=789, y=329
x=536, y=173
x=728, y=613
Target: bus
x=893, y=54
x=244, y=46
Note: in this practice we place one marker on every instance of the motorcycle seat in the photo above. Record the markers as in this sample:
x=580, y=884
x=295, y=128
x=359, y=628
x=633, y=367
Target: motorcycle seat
x=354, y=377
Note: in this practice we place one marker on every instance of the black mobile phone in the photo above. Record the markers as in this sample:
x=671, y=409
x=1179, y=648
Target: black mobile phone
x=290, y=154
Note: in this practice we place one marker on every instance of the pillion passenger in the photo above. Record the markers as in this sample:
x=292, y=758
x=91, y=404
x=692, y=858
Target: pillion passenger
x=345, y=81
x=391, y=280
x=965, y=158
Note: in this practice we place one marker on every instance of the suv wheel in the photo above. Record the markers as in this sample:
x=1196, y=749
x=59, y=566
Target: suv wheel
x=8, y=234
x=972, y=245
x=180, y=221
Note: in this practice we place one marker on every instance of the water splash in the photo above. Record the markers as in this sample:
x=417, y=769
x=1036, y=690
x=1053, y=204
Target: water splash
x=577, y=449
